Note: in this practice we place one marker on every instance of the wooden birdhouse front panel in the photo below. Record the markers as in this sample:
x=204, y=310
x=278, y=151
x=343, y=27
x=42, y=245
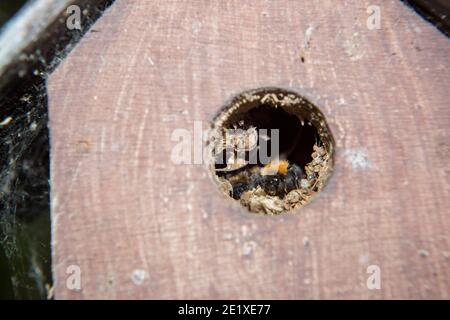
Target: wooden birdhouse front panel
x=139, y=225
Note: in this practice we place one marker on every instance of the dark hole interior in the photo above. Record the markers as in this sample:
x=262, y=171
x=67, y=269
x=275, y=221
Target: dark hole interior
x=296, y=139
x=243, y=138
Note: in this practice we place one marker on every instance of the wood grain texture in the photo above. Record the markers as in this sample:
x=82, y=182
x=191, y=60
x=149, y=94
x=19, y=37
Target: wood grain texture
x=121, y=208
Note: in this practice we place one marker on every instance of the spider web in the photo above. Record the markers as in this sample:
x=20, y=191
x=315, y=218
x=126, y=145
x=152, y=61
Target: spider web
x=24, y=191
x=25, y=252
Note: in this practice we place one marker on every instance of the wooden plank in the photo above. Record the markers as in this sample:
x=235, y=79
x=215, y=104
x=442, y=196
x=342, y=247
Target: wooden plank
x=30, y=41
x=28, y=27
x=140, y=226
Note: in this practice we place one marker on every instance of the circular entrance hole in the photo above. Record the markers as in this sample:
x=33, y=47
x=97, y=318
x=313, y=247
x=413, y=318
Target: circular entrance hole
x=270, y=150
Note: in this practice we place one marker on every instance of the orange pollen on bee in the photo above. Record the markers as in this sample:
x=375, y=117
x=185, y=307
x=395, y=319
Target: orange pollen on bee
x=274, y=167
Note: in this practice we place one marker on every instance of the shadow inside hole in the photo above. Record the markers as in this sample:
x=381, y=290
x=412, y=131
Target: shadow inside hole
x=296, y=139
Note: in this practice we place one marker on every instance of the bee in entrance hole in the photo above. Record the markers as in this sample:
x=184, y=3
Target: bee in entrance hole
x=275, y=167
x=283, y=178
